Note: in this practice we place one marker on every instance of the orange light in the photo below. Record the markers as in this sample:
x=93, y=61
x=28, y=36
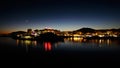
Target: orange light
x=17, y=42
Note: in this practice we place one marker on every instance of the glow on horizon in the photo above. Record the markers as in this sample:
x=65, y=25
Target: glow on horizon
x=72, y=28
x=62, y=25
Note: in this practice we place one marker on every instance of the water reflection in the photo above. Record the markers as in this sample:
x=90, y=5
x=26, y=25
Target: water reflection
x=92, y=42
x=71, y=48
x=75, y=39
x=71, y=43
x=33, y=43
x=47, y=46
x=81, y=40
x=26, y=42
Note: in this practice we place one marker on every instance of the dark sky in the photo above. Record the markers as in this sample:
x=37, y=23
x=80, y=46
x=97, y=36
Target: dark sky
x=58, y=14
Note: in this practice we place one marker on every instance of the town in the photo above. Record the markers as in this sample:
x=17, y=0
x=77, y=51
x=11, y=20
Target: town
x=80, y=33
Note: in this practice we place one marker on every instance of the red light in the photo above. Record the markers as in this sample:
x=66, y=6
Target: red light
x=47, y=46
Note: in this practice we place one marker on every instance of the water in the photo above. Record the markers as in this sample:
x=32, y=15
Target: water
x=71, y=50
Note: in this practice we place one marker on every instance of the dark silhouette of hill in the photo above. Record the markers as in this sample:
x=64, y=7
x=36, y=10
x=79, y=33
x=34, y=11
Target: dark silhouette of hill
x=14, y=34
x=85, y=30
x=18, y=32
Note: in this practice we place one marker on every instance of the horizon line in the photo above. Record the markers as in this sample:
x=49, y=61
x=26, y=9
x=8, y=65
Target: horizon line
x=59, y=29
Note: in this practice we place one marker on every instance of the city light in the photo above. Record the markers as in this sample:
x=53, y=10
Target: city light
x=27, y=37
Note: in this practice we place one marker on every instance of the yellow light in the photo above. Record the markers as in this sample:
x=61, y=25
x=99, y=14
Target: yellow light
x=77, y=39
x=114, y=35
x=101, y=35
x=27, y=42
x=108, y=41
x=18, y=35
x=76, y=35
x=27, y=37
x=100, y=41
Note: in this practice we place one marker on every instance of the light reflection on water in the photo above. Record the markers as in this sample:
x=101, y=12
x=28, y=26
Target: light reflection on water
x=69, y=43
x=92, y=42
x=70, y=50
x=26, y=42
x=47, y=46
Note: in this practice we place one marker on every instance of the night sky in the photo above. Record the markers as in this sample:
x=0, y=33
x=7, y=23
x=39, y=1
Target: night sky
x=64, y=15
